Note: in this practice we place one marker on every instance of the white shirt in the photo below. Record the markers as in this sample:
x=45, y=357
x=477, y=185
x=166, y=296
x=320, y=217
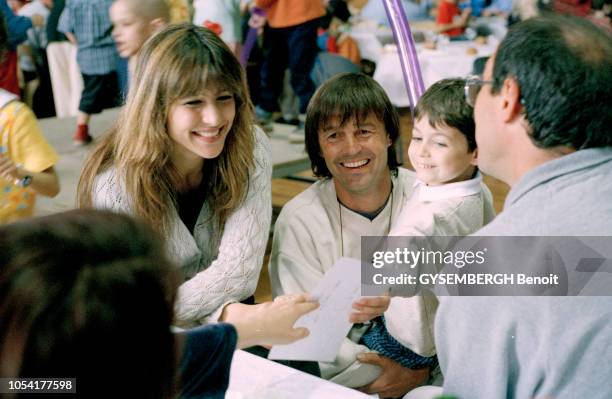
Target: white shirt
x=220, y=265
x=307, y=242
x=454, y=209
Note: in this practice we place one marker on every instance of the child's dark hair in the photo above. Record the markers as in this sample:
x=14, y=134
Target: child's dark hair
x=3, y=37
x=444, y=104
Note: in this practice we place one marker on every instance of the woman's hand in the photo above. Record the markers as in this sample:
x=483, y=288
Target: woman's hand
x=269, y=323
x=278, y=317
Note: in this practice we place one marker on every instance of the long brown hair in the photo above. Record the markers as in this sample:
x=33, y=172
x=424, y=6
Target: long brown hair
x=178, y=62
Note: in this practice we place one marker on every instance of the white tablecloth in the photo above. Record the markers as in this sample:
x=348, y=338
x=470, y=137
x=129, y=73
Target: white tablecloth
x=253, y=377
x=370, y=39
x=448, y=60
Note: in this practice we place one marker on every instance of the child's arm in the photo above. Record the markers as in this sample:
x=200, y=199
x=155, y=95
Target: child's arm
x=65, y=24
x=45, y=183
x=71, y=38
x=29, y=148
x=461, y=22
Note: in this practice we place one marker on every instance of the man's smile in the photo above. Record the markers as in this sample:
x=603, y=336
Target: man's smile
x=356, y=164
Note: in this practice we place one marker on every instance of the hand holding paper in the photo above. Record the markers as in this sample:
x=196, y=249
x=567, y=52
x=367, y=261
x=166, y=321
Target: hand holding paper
x=329, y=324
x=367, y=308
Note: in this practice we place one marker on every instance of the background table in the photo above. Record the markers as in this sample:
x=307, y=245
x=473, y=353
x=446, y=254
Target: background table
x=450, y=59
x=447, y=61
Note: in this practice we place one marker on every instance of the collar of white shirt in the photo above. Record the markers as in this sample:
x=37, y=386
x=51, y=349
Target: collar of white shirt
x=450, y=190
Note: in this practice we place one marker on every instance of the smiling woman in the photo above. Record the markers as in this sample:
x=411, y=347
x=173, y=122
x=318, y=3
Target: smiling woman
x=199, y=125
x=184, y=155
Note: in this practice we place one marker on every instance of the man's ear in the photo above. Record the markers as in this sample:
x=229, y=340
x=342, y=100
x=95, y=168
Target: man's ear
x=511, y=99
x=474, y=160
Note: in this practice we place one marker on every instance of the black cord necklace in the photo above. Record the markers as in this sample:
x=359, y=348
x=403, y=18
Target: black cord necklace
x=340, y=217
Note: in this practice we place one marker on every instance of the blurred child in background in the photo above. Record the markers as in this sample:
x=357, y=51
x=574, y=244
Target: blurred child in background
x=86, y=23
x=134, y=21
x=26, y=159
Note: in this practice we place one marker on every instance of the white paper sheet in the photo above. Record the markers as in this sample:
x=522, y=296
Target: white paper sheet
x=329, y=324
x=252, y=377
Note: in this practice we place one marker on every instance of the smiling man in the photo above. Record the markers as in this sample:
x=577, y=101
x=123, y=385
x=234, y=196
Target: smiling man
x=351, y=127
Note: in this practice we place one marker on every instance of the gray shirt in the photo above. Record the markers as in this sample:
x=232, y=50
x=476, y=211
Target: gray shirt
x=525, y=347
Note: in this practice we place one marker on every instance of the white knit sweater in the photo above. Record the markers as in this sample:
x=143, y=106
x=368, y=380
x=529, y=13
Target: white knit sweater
x=220, y=265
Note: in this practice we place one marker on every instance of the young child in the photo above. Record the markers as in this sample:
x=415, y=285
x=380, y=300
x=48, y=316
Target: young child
x=26, y=159
x=290, y=41
x=134, y=21
x=449, y=200
x=444, y=155
x=86, y=23
x=450, y=20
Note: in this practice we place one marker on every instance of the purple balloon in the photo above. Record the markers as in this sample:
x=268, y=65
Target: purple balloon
x=250, y=40
x=406, y=49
